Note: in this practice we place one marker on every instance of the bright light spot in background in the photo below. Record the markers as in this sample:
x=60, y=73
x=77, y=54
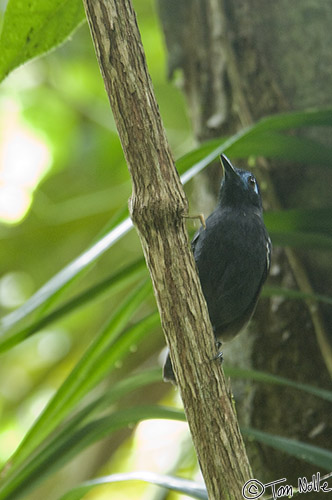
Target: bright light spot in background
x=32, y=407
x=9, y=439
x=53, y=345
x=38, y=403
x=15, y=289
x=155, y=450
x=24, y=159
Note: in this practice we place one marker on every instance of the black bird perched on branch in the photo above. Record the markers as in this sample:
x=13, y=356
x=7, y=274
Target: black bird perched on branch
x=232, y=254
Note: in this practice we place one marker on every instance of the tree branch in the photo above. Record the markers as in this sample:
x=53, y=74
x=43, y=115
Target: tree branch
x=156, y=206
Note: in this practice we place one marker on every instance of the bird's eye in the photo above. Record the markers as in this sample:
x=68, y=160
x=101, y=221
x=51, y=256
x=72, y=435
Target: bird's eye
x=252, y=181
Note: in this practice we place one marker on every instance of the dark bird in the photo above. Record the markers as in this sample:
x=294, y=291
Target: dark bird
x=232, y=255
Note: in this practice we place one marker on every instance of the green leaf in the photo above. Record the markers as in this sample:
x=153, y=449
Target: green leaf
x=61, y=279
x=43, y=463
x=311, y=220
x=311, y=228
x=115, y=281
x=301, y=240
x=189, y=488
x=267, y=378
x=303, y=451
x=239, y=144
x=34, y=27
x=113, y=394
x=307, y=118
x=269, y=291
x=62, y=437
x=269, y=144
x=282, y=146
x=96, y=362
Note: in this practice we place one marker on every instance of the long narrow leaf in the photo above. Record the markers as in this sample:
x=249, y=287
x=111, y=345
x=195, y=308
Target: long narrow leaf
x=189, y=488
x=121, y=278
x=269, y=144
x=44, y=463
x=86, y=374
x=63, y=437
x=283, y=147
x=267, y=378
x=283, y=121
x=307, y=452
x=301, y=239
x=269, y=291
x=297, y=119
x=113, y=394
x=65, y=275
x=310, y=220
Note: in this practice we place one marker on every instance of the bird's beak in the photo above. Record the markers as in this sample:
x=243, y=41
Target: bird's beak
x=229, y=171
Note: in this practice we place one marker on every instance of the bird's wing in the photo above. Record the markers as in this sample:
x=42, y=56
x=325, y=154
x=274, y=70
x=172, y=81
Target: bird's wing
x=231, y=286
x=268, y=256
x=238, y=297
x=195, y=239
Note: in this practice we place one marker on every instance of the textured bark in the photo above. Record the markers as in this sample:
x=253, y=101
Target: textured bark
x=156, y=206
x=241, y=60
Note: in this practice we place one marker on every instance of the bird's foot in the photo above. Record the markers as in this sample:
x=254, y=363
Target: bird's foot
x=219, y=355
x=198, y=216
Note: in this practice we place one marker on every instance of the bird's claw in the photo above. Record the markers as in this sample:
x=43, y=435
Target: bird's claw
x=219, y=355
x=198, y=216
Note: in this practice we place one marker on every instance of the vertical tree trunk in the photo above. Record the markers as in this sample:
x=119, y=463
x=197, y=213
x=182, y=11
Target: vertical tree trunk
x=241, y=60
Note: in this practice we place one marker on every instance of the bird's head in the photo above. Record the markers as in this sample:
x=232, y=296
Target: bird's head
x=239, y=187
